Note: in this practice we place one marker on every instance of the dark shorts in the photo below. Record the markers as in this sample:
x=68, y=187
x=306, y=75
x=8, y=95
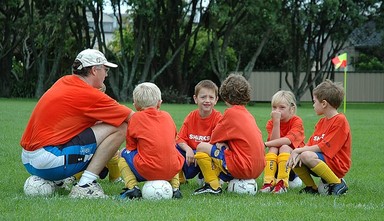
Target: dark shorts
x=128, y=156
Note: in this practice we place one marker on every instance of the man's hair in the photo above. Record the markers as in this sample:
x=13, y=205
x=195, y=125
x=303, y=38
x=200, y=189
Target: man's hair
x=84, y=71
x=332, y=92
x=146, y=95
x=208, y=84
x=286, y=97
x=235, y=90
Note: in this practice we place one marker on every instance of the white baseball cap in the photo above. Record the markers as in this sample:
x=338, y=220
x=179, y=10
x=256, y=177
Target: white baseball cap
x=92, y=57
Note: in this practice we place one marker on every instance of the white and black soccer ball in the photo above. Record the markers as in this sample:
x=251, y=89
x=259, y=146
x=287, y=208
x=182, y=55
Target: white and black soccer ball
x=37, y=186
x=243, y=186
x=323, y=188
x=295, y=183
x=157, y=189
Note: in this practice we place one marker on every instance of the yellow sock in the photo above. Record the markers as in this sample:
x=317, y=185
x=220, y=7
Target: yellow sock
x=283, y=171
x=113, y=167
x=209, y=171
x=182, y=179
x=78, y=175
x=175, y=183
x=323, y=171
x=305, y=176
x=127, y=174
x=270, y=168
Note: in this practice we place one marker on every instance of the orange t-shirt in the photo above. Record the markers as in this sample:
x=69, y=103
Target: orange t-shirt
x=69, y=107
x=292, y=129
x=333, y=136
x=152, y=132
x=196, y=129
x=245, y=155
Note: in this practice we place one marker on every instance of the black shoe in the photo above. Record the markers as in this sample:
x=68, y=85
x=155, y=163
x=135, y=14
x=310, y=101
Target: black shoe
x=338, y=188
x=177, y=194
x=135, y=192
x=207, y=189
x=309, y=190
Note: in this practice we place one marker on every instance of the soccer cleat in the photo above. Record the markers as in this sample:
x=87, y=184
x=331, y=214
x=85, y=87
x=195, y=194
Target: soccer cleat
x=309, y=190
x=133, y=193
x=267, y=188
x=279, y=187
x=89, y=190
x=207, y=189
x=66, y=183
x=177, y=194
x=338, y=189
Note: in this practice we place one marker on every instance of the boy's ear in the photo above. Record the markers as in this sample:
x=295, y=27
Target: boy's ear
x=194, y=98
x=159, y=104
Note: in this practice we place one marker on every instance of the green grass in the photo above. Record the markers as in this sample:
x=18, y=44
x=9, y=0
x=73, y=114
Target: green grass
x=364, y=201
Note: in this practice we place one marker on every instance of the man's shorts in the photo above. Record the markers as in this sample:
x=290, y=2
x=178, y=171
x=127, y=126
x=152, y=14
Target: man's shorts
x=60, y=162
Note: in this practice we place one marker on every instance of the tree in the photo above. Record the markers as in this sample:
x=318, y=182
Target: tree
x=12, y=18
x=312, y=25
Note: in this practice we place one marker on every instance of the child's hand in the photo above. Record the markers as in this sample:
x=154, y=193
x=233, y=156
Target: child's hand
x=221, y=145
x=294, y=159
x=190, y=157
x=275, y=115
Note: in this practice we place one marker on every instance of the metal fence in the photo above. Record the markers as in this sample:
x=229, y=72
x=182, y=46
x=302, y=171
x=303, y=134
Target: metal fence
x=361, y=87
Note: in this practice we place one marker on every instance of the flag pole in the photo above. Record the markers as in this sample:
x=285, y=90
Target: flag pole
x=345, y=89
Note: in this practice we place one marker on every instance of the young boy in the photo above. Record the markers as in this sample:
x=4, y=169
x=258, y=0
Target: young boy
x=236, y=148
x=285, y=133
x=150, y=152
x=197, y=126
x=328, y=151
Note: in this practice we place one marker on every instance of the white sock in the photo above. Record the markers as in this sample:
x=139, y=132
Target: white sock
x=87, y=177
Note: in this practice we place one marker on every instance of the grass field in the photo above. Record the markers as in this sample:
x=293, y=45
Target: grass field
x=364, y=201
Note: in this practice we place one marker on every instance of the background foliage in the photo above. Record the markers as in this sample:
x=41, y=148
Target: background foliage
x=177, y=43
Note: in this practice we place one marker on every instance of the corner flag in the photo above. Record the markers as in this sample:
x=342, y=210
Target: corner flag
x=341, y=61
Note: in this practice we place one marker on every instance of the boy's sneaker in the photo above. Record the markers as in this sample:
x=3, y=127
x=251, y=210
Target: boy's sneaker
x=338, y=188
x=309, y=190
x=279, y=187
x=207, y=189
x=135, y=192
x=267, y=188
x=177, y=194
x=89, y=190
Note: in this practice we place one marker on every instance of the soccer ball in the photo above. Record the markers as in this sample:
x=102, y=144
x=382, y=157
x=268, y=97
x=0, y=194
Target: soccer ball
x=37, y=186
x=323, y=188
x=242, y=186
x=295, y=183
x=157, y=189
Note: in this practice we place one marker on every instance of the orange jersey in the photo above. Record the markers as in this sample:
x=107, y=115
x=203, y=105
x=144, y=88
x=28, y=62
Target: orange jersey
x=333, y=136
x=196, y=129
x=245, y=155
x=292, y=129
x=152, y=132
x=66, y=109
